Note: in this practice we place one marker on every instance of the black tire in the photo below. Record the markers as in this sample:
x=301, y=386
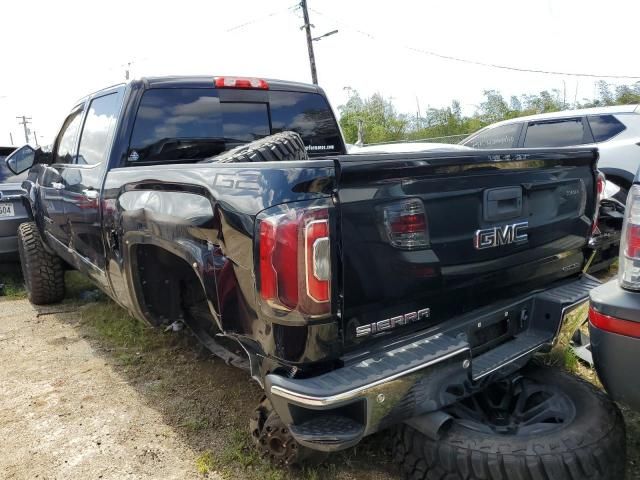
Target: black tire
x=274, y=148
x=43, y=272
x=589, y=446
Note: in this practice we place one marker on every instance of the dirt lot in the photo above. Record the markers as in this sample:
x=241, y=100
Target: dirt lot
x=88, y=392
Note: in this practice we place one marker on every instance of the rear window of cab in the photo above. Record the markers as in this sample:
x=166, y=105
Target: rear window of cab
x=193, y=124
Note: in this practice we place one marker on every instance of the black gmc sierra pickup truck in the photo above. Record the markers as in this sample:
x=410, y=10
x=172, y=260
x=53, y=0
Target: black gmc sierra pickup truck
x=366, y=292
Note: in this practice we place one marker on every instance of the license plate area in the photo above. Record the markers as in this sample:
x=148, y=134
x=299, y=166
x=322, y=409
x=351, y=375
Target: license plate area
x=6, y=210
x=497, y=328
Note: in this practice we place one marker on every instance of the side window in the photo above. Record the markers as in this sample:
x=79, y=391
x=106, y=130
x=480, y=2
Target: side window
x=65, y=151
x=98, y=129
x=556, y=133
x=605, y=127
x=504, y=136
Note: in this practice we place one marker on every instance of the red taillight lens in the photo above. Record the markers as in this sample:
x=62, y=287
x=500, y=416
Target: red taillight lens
x=268, y=277
x=405, y=223
x=241, y=82
x=295, y=261
x=601, y=183
x=614, y=325
x=632, y=241
x=629, y=261
x=284, y=262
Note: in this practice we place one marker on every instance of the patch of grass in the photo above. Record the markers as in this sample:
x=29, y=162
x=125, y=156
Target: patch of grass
x=206, y=463
x=570, y=360
x=113, y=324
x=240, y=459
x=195, y=423
x=13, y=285
x=128, y=359
x=78, y=287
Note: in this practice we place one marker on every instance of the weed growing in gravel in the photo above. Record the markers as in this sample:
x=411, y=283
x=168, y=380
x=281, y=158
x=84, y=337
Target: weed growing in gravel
x=205, y=463
x=13, y=285
x=113, y=324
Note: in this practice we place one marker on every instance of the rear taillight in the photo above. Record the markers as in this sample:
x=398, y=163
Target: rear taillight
x=629, y=262
x=614, y=325
x=601, y=183
x=295, y=261
x=241, y=82
x=405, y=224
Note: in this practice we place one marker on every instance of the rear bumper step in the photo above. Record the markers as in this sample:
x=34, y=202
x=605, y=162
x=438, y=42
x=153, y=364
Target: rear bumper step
x=423, y=373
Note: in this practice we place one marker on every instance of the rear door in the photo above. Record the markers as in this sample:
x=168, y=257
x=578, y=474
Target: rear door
x=559, y=132
x=436, y=236
x=83, y=180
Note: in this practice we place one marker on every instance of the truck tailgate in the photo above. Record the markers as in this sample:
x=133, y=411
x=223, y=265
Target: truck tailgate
x=497, y=224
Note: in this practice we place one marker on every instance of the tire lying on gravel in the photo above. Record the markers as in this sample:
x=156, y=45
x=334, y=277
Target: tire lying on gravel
x=569, y=430
x=42, y=271
x=279, y=147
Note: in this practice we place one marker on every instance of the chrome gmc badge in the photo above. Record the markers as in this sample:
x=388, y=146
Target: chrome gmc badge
x=497, y=236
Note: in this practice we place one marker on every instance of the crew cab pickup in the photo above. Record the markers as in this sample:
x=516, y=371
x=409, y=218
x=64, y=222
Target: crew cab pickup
x=363, y=290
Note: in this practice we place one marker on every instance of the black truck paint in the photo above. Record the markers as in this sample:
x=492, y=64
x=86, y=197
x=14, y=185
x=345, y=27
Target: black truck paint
x=174, y=240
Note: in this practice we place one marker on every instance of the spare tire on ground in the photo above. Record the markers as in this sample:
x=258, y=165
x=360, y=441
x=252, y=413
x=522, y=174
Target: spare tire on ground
x=274, y=148
x=548, y=425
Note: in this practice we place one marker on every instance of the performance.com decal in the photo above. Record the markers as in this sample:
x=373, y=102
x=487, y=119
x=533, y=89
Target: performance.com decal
x=320, y=147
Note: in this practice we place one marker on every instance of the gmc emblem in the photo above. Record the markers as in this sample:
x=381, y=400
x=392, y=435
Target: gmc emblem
x=497, y=236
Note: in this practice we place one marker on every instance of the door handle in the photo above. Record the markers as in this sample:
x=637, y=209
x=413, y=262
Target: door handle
x=91, y=194
x=57, y=185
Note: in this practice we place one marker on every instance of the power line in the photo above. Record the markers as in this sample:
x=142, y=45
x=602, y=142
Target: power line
x=260, y=19
x=479, y=63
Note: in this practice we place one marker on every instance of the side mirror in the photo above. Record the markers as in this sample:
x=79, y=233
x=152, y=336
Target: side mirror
x=21, y=160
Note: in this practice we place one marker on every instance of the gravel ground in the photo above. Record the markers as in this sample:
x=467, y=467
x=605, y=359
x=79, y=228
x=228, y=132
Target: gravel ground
x=66, y=414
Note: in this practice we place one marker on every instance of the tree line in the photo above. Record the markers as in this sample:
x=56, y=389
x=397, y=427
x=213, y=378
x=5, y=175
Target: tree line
x=381, y=121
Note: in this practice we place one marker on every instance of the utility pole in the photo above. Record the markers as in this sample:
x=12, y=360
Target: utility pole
x=11, y=137
x=25, y=122
x=307, y=27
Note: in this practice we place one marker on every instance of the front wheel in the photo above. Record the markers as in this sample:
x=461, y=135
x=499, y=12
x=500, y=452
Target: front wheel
x=42, y=271
x=547, y=425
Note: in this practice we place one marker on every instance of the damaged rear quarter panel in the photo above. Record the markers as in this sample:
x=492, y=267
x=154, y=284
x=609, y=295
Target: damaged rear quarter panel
x=205, y=214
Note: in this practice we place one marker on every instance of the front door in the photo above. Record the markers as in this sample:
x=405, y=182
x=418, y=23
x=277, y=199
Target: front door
x=52, y=184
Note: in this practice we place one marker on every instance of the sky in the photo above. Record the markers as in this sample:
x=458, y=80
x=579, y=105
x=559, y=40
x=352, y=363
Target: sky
x=54, y=52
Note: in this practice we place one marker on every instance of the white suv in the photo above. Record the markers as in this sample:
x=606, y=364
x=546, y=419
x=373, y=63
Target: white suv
x=614, y=130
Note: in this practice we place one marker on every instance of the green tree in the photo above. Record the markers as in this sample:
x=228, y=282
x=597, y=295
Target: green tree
x=381, y=121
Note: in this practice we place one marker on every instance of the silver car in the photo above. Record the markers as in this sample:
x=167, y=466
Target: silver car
x=12, y=211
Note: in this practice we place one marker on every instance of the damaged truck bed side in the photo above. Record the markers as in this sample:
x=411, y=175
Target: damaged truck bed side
x=361, y=291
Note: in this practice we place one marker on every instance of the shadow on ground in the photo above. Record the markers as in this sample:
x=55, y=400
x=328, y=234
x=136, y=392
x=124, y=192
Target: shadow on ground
x=207, y=402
